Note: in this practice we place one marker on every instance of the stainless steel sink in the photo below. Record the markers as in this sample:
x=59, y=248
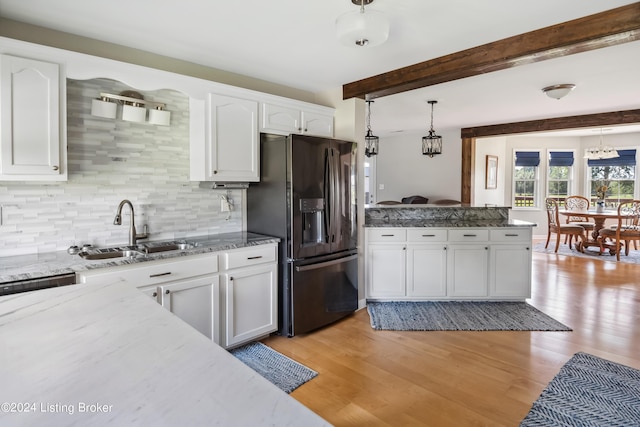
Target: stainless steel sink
x=109, y=254
x=166, y=247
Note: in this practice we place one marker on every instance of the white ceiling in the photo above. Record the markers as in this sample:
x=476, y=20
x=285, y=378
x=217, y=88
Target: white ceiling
x=292, y=42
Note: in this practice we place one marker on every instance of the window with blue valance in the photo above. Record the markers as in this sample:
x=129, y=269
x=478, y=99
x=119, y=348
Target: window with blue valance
x=561, y=158
x=527, y=158
x=627, y=158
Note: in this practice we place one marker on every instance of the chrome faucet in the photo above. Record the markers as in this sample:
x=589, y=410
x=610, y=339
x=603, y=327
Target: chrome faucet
x=133, y=236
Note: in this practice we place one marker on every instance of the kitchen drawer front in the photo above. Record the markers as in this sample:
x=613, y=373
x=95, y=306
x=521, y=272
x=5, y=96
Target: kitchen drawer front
x=426, y=235
x=246, y=257
x=387, y=234
x=154, y=272
x=468, y=235
x=516, y=235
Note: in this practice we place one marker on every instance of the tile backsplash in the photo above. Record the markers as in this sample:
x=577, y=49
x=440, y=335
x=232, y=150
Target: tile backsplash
x=110, y=160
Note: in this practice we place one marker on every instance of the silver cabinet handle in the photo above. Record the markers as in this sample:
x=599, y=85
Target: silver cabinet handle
x=167, y=292
x=428, y=235
x=470, y=235
x=254, y=257
x=55, y=168
x=387, y=235
x=511, y=235
x=160, y=274
x=155, y=294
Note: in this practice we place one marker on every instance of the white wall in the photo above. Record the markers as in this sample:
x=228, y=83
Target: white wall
x=404, y=171
x=495, y=146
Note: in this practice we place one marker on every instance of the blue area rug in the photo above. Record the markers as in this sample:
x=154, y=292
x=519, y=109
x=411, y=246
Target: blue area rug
x=285, y=373
x=589, y=391
x=460, y=316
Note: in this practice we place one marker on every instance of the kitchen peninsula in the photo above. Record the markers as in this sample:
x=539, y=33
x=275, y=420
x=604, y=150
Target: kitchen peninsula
x=428, y=252
x=108, y=355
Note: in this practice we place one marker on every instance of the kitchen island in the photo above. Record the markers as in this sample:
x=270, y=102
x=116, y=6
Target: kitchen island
x=423, y=252
x=108, y=355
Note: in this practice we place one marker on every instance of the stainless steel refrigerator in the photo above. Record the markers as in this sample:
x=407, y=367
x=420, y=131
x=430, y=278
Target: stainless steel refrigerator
x=306, y=196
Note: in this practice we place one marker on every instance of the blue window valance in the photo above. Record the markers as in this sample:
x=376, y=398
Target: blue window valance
x=527, y=158
x=627, y=158
x=561, y=158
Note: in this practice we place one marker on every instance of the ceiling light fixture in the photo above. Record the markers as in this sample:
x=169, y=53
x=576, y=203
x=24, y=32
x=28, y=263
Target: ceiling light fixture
x=601, y=152
x=370, y=140
x=558, y=91
x=132, y=108
x=432, y=143
x=360, y=28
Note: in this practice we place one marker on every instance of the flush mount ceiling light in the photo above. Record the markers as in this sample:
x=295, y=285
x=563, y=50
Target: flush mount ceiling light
x=558, y=91
x=432, y=143
x=360, y=28
x=601, y=152
x=132, y=108
x=370, y=140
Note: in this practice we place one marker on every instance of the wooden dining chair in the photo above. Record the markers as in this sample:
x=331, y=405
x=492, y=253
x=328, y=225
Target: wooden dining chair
x=577, y=203
x=554, y=226
x=627, y=230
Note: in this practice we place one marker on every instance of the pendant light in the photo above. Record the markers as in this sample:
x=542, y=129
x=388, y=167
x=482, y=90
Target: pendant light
x=370, y=140
x=432, y=143
x=601, y=152
x=360, y=28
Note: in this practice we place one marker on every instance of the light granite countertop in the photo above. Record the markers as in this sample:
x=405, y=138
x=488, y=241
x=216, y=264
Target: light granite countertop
x=425, y=222
x=98, y=355
x=26, y=267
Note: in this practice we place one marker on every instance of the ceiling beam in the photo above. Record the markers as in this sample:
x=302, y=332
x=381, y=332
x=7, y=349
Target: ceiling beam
x=556, y=123
x=609, y=28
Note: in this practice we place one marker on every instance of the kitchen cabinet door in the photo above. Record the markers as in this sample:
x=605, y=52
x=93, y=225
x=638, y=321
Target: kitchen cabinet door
x=316, y=124
x=510, y=271
x=427, y=270
x=467, y=270
x=251, y=308
x=301, y=120
x=195, y=301
x=32, y=120
x=386, y=270
x=233, y=140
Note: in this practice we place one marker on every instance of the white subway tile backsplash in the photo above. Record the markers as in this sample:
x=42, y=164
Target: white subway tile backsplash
x=110, y=160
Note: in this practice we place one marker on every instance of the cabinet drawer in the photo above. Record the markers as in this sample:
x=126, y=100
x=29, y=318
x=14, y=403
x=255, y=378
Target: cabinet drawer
x=426, y=235
x=468, y=235
x=511, y=235
x=387, y=234
x=153, y=272
x=250, y=256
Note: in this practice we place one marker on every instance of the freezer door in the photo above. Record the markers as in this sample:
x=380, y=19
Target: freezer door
x=322, y=292
x=342, y=233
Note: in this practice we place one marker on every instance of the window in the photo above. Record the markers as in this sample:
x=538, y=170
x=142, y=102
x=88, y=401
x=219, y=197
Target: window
x=617, y=174
x=525, y=179
x=559, y=175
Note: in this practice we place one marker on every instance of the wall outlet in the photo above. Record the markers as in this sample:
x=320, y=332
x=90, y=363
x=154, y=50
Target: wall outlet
x=226, y=204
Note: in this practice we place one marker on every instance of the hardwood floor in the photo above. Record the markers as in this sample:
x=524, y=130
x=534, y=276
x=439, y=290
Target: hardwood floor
x=388, y=378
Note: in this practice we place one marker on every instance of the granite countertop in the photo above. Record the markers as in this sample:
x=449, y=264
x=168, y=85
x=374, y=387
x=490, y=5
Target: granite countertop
x=25, y=267
x=422, y=222
x=65, y=349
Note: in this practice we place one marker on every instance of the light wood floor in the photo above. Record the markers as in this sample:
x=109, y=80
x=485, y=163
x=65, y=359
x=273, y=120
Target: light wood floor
x=385, y=378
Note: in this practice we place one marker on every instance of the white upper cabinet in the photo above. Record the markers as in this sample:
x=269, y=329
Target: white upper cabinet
x=295, y=118
x=232, y=141
x=32, y=120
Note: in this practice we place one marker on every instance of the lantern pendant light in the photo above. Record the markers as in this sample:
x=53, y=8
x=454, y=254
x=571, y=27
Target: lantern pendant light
x=432, y=143
x=370, y=140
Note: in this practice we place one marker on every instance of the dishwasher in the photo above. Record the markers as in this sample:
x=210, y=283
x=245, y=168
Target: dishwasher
x=18, y=286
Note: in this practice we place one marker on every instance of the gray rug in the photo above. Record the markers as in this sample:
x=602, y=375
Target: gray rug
x=589, y=391
x=280, y=370
x=460, y=316
x=589, y=253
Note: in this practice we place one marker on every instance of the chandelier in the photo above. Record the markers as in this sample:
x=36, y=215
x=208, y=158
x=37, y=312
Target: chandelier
x=600, y=152
x=432, y=143
x=370, y=140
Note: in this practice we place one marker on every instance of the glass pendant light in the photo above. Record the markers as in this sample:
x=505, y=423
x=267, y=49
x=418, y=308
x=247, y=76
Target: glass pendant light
x=370, y=140
x=432, y=143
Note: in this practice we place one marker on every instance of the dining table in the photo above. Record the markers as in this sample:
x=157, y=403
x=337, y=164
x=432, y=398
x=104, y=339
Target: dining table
x=599, y=219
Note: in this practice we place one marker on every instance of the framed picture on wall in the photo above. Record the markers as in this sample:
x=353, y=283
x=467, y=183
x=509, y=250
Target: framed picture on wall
x=491, y=173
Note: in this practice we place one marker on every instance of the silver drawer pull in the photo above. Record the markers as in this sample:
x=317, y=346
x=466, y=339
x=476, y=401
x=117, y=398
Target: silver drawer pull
x=428, y=235
x=511, y=235
x=160, y=274
x=470, y=235
x=388, y=235
x=254, y=257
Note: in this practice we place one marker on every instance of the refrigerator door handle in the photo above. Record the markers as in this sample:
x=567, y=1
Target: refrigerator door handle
x=328, y=224
x=326, y=263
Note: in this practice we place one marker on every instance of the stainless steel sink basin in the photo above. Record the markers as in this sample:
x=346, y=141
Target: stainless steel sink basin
x=170, y=246
x=109, y=254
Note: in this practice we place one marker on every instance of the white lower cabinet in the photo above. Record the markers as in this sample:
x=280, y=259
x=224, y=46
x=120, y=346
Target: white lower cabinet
x=439, y=263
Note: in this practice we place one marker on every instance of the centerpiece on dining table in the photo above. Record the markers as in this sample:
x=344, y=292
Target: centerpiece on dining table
x=601, y=194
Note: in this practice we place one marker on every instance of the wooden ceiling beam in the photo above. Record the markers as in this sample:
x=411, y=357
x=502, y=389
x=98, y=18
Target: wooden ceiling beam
x=605, y=29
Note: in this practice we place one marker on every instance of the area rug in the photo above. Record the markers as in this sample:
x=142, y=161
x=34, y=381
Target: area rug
x=460, y=316
x=590, y=253
x=589, y=391
x=285, y=373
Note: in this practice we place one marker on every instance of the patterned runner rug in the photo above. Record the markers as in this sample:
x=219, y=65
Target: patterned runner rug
x=280, y=370
x=589, y=391
x=460, y=316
